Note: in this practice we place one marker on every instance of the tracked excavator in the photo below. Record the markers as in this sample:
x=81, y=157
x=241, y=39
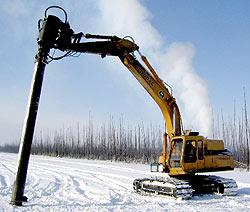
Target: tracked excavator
x=185, y=154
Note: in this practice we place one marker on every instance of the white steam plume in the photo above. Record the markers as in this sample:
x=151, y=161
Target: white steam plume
x=174, y=63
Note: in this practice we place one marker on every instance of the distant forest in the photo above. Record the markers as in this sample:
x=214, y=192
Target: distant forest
x=235, y=131
x=113, y=140
x=116, y=140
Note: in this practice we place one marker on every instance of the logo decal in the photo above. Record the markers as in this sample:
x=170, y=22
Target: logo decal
x=161, y=94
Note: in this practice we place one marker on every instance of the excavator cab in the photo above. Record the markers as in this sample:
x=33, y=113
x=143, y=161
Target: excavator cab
x=190, y=154
x=186, y=155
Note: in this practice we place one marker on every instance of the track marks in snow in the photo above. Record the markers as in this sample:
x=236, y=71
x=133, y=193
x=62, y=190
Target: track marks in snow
x=76, y=185
x=59, y=184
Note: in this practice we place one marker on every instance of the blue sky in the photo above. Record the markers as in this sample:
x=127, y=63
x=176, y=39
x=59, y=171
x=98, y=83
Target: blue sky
x=212, y=36
x=220, y=32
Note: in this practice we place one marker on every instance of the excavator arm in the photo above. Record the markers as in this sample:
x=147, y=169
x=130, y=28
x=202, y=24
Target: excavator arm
x=55, y=34
x=146, y=76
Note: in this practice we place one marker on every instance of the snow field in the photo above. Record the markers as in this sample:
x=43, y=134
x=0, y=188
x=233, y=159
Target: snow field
x=63, y=184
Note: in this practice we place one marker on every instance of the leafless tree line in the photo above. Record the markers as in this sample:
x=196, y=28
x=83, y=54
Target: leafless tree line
x=117, y=140
x=114, y=140
x=235, y=131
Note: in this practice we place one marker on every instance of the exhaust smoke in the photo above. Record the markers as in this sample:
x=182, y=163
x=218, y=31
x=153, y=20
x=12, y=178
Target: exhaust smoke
x=173, y=63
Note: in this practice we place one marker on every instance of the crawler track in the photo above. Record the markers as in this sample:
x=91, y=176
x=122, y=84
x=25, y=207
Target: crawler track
x=185, y=188
x=214, y=184
x=164, y=186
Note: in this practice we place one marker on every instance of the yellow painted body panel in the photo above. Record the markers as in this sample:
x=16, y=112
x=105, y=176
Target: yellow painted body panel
x=176, y=171
x=214, y=144
x=218, y=161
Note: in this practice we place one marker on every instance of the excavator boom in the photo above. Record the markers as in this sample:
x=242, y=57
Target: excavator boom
x=147, y=77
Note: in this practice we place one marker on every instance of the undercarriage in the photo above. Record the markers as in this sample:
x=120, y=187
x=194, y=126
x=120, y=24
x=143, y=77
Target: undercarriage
x=186, y=188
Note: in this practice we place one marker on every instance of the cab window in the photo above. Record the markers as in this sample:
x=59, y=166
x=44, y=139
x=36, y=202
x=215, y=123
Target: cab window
x=200, y=150
x=175, y=158
x=190, y=152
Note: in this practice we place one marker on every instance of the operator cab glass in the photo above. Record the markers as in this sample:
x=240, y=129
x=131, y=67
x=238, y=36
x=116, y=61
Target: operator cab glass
x=175, y=158
x=190, y=152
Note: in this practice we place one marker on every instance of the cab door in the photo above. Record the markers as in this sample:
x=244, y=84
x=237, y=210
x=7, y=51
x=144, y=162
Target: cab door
x=190, y=155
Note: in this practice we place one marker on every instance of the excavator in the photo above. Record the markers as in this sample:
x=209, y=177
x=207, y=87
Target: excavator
x=185, y=154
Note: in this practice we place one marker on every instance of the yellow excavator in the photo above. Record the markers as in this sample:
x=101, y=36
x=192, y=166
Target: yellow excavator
x=185, y=153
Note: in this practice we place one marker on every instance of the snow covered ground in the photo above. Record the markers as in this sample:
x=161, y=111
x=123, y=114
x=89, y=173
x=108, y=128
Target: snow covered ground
x=62, y=184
